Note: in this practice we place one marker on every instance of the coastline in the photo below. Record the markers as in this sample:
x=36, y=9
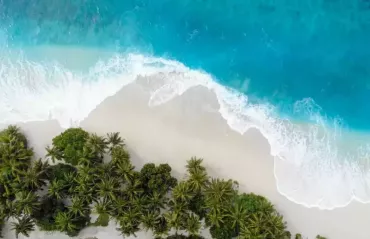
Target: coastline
x=190, y=125
x=309, y=157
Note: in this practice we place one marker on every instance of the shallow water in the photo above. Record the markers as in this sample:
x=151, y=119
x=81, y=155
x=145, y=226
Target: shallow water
x=282, y=51
x=304, y=61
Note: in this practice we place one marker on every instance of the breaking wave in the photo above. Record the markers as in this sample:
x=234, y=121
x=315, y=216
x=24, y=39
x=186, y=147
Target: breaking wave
x=314, y=164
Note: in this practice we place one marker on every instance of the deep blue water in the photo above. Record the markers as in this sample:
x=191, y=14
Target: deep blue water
x=285, y=49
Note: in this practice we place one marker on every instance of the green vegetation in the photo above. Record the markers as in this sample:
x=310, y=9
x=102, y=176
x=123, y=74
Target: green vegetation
x=62, y=196
x=70, y=146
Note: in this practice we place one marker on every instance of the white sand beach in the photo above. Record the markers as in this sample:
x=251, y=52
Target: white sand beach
x=190, y=125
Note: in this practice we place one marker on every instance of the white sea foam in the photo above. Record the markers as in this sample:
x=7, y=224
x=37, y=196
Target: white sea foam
x=311, y=166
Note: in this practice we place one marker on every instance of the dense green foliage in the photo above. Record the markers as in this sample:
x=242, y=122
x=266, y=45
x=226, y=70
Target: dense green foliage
x=69, y=146
x=61, y=197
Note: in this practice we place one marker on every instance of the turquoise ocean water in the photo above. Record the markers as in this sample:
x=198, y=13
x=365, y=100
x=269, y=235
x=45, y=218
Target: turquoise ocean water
x=309, y=60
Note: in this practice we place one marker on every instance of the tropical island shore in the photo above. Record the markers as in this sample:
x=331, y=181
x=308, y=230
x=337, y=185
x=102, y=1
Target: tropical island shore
x=187, y=126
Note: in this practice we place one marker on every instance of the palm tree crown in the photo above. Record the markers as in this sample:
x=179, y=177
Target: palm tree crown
x=219, y=191
x=114, y=140
x=24, y=226
x=64, y=222
x=195, y=164
x=26, y=203
x=98, y=144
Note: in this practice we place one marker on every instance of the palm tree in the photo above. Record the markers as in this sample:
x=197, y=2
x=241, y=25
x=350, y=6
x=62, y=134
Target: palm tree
x=12, y=168
x=182, y=192
x=237, y=215
x=178, y=207
x=215, y=217
x=218, y=192
x=98, y=144
x=107, y=170
x=128, y=228
x=85, y=189
x=161, y=227
x=16, y=185
x=197, y=205
x=53, y=153
x=119, y=153
x=8, y=209
x=35, y=178
x=88, y=196
x=24, y=226
x=85, y=183
x=64, y=222
x=198, y=179
x=42, y=167
x=155, y=201
x=87, y=174
x=269, y=225
x=26, y=203
x=69, y=181
x=175, y=220
x=125, y=169
x=22, y=154
x=193, y=225
x=114, y=140
x=14, y=131
x=130, y=221
x=6, y=189
x=56, y=189
x=134, y=189
x=177, y=215
x=87, y=157
x=103, y=206
x=150, y=219
x=120, y=205
x=108, y=188
x=195, y=164
x=278, y=226
x=251, y=233
x=78, y=206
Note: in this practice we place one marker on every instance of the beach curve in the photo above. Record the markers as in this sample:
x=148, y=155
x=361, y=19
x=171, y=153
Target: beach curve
x=304, y=152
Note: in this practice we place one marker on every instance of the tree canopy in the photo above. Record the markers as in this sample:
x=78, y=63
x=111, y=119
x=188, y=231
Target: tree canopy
x=69, y=145
x=61, y=195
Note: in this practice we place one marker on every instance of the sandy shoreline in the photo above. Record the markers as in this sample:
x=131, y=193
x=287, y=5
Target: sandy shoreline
x=190, y=125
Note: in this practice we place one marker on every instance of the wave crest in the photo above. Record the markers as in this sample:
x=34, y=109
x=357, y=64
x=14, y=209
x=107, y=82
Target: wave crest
x=314, y=165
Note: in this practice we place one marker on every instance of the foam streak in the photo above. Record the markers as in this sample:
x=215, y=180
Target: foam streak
x=310, y=166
